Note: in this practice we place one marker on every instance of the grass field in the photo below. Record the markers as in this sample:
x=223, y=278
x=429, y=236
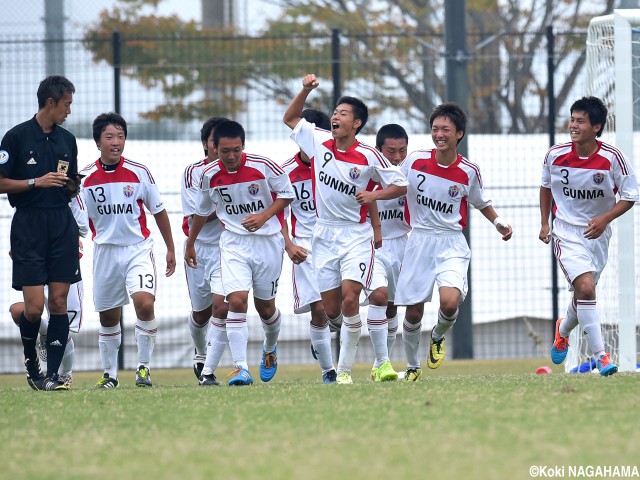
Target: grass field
x=466, y=420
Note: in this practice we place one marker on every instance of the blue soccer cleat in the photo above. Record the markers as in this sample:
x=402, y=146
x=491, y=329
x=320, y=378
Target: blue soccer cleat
x=330, y=376
x=268, y=365
x=240, y=377
x=560, y=346
x=605, y=366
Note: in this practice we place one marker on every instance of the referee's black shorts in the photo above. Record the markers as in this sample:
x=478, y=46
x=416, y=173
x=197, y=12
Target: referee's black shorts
x=44, y=247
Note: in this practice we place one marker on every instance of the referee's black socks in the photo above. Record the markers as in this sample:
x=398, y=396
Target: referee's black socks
x=57, y=336
x=29, y=334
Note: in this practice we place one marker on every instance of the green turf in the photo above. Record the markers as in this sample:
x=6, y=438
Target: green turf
x=466, y=420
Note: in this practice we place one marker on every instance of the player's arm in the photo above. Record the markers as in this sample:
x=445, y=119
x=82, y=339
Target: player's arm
x=392, y=191
x=296, y=253
x=255, y=221
x=194, y=231
x=598, y=225
x=501, y=225
x=51, y=179
x=162, y=220
x=546, y=201
x=376, y=224
x=293, y=112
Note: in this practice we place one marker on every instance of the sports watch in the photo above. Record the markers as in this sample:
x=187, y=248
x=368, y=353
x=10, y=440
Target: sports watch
x=32, y=183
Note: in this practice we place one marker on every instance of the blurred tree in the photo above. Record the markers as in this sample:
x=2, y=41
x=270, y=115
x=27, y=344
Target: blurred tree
x=391, y=53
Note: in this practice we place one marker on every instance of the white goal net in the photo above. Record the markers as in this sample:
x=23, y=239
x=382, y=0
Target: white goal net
x=613, y=74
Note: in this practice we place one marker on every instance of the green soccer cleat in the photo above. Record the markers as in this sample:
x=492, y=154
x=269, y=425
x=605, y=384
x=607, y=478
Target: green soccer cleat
x=143, y=377
x=384, y=373
x=436, y=352
x=344, y=378
x=106, y=382
x=412, y=374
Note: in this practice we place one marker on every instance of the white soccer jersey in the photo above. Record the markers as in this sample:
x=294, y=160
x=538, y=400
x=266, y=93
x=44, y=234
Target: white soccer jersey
x=115, y=201
x=191, y=181
x=79, y=210
x=438, y=196
x=303, y=209
x=249, y=190
x=392, y=217
x=339, y=175
x=584, y=188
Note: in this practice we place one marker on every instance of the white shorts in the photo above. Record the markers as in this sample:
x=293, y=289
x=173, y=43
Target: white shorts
x=205, y=279
x=251, y=261
x=343, y=253
x=577, y=255
x=303, y=279
x=121, y=271
x=431, y=259
x=74, y=303
x=388, y=262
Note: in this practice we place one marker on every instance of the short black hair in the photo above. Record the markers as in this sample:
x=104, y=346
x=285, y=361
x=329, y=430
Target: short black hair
x=360, y=110
x=209, y=125
x=54, y=87
x=105, y=119
x=453, y=112
x=595, y=109
x=320, y=119
x=391, y=130
x=228, y=129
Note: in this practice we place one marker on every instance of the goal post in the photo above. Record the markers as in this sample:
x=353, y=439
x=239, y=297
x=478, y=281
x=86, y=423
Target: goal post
x=613, y=43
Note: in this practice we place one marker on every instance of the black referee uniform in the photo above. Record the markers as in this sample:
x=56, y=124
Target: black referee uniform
x=44, y=234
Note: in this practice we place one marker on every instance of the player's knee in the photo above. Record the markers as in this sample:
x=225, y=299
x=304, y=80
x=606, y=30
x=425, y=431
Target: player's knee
x=237, y=303
x=392, y=311
x=413, y=315
x=318, y=316
x=202, y=317
x=379, y=297
x=144, y=309
x=32, y=312
x=15, y=311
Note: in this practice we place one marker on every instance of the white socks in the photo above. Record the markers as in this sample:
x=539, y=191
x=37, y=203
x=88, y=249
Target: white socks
x=588, y=318
x=350, y=334
x=411, y=339
x=238, y=336
x=216, y=343
x=378, y=330
x=321, y=342
x=198, y=334
x=271, y=328
x=146, y=340
x=109, y=340
x=443, y=325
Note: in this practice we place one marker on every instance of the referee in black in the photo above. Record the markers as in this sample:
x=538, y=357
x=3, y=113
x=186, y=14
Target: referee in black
x=38, y=171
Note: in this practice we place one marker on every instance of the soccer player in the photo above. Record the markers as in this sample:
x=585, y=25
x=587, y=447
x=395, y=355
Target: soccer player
x=248, y=193
x=204, y=283
x=117, y=190
x=74, y=303
x=345, y=172
x=392, y=141
x=38, y=171
x=306, y=295
x=442, y=184
x=582, y=177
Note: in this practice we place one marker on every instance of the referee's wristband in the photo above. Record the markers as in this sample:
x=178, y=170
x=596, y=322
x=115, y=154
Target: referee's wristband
x=498, y=222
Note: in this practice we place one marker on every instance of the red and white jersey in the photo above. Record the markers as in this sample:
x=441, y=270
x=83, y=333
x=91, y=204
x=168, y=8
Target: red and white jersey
x=303, y=208
x=79, y=210
x=116, y=200
x=584, y=188
x=392, y=217
x=249, y=190
x=338, y=175
x=191, y=181
x=438, y=196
